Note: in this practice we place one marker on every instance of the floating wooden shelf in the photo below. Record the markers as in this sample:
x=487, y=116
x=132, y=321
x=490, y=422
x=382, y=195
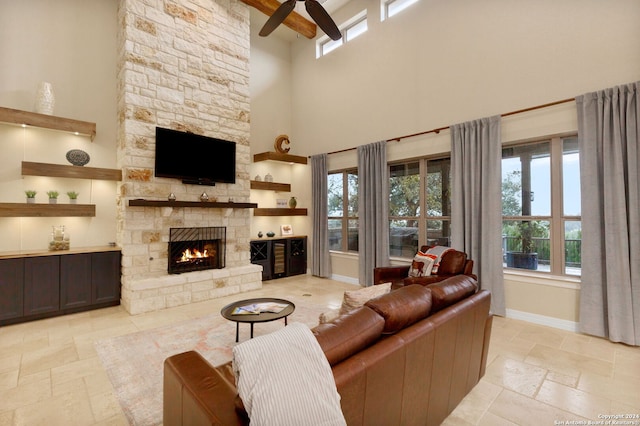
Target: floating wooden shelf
x=280, y=212
x=17, y=116
x=47, y=210
x=78, y=172
x=276, y=156
x=197, y=204
x=271, y=186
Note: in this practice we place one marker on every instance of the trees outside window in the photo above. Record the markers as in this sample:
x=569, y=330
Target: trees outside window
x=342, y=199
x=541, y=206
x=415, y=187
x=541, y=228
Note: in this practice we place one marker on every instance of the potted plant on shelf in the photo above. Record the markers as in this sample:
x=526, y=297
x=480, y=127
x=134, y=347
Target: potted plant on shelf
x=31, y=195
x=53, y=196
x=73, y=197
x=526, y=258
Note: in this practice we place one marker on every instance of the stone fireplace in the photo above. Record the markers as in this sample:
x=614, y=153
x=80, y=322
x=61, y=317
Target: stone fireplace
x=183, y=65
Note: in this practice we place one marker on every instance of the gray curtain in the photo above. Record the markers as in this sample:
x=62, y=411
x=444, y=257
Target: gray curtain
x=608, y=129
x=320, y=259
x=476, y=202
x=373, y=209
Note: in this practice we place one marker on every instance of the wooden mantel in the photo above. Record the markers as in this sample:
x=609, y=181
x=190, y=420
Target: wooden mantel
x=295, y=21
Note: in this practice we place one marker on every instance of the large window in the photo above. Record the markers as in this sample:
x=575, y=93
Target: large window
x=415, y=187
x=541, y=228
x=342, y=199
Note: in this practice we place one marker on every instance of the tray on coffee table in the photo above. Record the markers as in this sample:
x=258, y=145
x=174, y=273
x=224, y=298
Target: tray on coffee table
x=262, y=309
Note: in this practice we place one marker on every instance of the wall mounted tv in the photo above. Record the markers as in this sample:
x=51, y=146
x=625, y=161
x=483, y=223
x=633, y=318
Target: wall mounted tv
x=194, y=159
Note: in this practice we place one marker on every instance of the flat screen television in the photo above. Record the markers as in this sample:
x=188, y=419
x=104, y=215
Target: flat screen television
x=194, y=159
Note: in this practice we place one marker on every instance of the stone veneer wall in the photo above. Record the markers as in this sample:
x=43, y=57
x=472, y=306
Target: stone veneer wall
x=182, y=65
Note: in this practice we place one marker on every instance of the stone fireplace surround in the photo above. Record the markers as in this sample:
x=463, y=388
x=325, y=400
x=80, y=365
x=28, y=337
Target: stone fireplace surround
x=182, y=65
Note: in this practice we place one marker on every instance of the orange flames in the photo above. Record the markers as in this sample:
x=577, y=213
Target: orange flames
x=190, y=254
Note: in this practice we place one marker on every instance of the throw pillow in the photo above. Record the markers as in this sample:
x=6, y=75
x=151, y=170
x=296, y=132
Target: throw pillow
x=421, y=266
x=436, y=253
x=329, y=316
x=284, y=378
x=356, y=298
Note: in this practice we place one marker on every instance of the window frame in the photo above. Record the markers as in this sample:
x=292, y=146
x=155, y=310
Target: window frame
x=385, y=4
x=346, y=217
x=422, y=218
x=556, y=217
x=325, y=41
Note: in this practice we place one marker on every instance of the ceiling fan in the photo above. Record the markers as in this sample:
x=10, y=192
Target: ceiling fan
x=315, y=10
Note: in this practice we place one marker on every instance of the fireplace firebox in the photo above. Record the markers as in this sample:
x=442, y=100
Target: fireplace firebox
x=195, y=249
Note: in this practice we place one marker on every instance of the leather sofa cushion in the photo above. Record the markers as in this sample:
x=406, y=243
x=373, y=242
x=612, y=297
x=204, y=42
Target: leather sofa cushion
x=402, y=307
x=452, y=263
x=348, y=334
x=451, y=290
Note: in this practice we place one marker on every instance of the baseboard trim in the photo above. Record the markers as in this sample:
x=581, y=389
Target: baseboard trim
x=345, y=279
x=543, y=320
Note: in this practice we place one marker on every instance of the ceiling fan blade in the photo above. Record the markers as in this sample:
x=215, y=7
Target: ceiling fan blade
x=322, y=18
x=278, y=16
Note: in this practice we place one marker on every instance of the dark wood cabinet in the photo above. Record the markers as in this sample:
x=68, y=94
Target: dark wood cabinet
x=105, y=278
x=41, y=285
x=297, y=256
x=280, y=257
x=11, y=285
x=35, y=287
x=75, y=280
x=261, y=255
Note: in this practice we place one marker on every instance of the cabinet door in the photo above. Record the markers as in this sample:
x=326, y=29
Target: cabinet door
x=297, y=251
x=105, y=277
x=11, y=285
x=261, y=255
x=41, y=285
x=75, y=280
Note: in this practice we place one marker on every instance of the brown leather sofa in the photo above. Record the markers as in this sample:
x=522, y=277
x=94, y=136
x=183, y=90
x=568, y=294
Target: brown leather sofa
x=453, y=263
x=408, y=357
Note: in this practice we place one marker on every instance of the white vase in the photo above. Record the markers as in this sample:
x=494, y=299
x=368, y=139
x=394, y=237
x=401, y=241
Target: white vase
x=45, y=98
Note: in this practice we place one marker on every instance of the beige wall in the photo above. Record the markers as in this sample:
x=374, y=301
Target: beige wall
x=71, y=44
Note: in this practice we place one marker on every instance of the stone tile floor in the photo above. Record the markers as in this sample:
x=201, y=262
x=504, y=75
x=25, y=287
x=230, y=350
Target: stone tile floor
x=50, y=373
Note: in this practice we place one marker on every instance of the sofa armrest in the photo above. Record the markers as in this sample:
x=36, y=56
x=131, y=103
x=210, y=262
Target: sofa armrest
x=196, y=393
x=392, y=274
x=468, y=269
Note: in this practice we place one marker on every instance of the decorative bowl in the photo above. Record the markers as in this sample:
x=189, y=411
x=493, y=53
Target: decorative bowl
x=77, y=157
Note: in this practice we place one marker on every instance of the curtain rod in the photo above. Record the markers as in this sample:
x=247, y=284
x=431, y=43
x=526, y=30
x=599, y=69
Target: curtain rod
x=439, y=129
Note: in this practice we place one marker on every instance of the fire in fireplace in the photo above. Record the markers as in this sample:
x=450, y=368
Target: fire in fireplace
x=195, y=249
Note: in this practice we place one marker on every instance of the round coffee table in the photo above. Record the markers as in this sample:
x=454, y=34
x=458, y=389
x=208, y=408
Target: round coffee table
x=228, y=312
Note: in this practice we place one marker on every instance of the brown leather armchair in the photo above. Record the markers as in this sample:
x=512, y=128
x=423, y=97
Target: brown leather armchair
x=452, y=263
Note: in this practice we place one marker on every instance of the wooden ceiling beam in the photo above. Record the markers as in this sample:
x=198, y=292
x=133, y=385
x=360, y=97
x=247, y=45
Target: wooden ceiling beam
x=295, y=21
